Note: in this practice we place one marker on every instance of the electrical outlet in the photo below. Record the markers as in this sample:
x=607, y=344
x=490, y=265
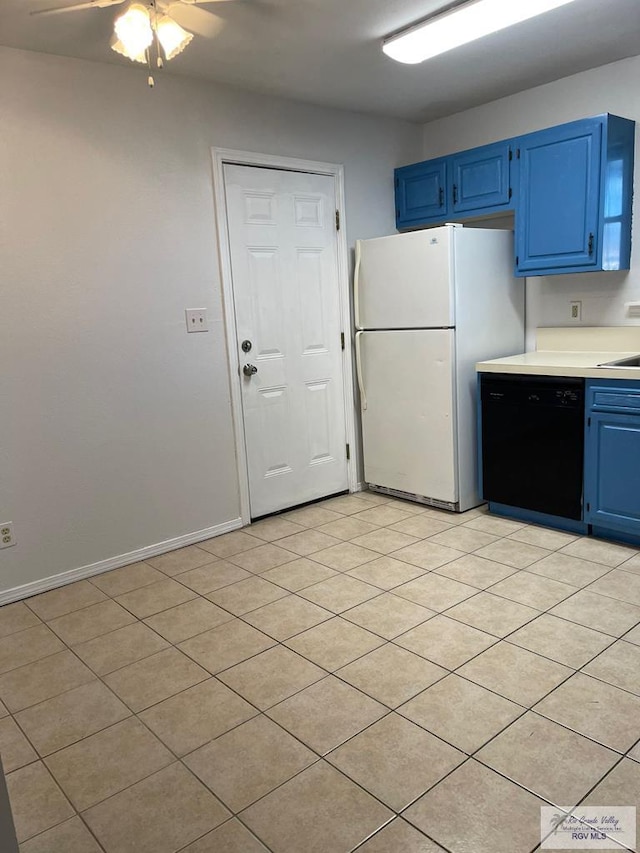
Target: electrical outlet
x=576, y=310
x=7, y=539
x=196, y=320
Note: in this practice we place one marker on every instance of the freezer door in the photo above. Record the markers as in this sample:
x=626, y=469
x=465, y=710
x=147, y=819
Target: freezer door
x=408, y=425
x=405, y=281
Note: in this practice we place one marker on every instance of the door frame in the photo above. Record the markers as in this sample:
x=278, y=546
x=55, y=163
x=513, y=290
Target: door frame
x=220, y=158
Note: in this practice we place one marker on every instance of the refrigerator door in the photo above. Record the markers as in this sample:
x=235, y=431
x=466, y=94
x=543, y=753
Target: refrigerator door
x=405, y=281
x=408, y=424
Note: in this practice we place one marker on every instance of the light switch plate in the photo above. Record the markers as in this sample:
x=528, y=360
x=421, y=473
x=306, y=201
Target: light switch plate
x=196, y=320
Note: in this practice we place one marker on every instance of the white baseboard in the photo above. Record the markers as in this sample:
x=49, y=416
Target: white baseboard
x=54, y=581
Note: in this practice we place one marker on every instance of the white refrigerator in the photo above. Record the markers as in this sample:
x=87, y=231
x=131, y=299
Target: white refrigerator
x=428, y=305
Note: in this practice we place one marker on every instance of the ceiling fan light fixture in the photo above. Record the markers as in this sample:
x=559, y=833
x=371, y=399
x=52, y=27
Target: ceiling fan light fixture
x=172, y=36
x=463, y=24
x=133, y=31
x=117, y=45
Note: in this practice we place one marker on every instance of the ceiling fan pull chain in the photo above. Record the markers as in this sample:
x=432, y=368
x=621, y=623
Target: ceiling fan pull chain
x=151, y=82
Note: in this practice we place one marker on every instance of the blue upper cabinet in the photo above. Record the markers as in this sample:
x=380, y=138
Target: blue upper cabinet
x=472, y=183
x=574, y=207
x=421, y=193
x=481, y=179
x=570, y=187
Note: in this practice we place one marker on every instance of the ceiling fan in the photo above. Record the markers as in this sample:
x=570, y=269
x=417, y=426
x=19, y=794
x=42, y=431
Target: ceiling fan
x=149, y=27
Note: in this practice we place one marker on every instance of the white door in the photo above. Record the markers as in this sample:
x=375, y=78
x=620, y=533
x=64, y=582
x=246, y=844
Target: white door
x=405, y=281
x=283, y=248
x=408, y=411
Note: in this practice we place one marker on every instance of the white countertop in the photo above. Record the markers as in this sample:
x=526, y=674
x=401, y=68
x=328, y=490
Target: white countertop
x=576, y=351
x=562, y=363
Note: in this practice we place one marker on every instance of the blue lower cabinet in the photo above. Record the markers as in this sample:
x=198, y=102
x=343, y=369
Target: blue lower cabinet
x=612, y=457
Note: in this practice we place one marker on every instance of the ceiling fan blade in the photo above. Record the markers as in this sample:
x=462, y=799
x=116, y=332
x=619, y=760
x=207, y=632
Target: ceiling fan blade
x=90, y=4
x=197, y=21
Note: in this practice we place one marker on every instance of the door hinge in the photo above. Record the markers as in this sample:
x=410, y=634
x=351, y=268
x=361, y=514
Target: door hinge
x=455, y=194
x=518, y=153
x=397, y=182
x=510, y=154
x=342, y=340
x=588, y=422
x=337, y=220
x=510, y=192
x=517, y=260
x=590, y=247
x=588, y=507
x=348, y=452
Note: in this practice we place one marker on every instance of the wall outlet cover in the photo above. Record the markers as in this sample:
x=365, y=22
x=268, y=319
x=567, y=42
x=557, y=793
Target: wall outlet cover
x=7, y=539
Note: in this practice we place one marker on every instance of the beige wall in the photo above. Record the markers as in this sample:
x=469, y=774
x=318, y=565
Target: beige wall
x=115, y=425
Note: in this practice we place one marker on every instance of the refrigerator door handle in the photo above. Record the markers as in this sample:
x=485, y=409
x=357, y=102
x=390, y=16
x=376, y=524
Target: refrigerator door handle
x=363, y=396
x=356, y=285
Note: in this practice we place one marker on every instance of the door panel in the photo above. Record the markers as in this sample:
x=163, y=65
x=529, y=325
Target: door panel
x=422, y=261
x=285, y=280
x=408, y=429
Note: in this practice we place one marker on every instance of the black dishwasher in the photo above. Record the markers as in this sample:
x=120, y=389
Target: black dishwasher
x=533, y=442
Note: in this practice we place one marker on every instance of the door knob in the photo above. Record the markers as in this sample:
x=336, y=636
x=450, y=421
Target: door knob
x=249, y=369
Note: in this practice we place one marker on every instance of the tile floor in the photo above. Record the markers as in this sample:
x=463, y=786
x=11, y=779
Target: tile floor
x=361, y=674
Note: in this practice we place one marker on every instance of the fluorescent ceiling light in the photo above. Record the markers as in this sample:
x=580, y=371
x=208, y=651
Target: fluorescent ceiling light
x=466, y=23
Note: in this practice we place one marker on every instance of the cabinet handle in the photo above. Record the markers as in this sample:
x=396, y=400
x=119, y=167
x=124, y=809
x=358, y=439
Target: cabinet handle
x=455, y=194
x=441, y=196
x=591, y=243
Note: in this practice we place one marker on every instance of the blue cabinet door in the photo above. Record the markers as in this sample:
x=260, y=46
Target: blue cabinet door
x=481, y=178
x=612, y=484
x=612, y=456
x=421, y=193
x=559, y=197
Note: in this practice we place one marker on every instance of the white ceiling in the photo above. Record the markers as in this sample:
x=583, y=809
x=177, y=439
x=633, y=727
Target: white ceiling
x=328, y=51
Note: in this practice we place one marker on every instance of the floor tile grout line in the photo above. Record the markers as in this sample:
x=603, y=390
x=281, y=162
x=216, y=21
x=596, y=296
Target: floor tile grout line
x=61, y=790
x=492, y=770
x=602, y=680
x=306, y=629
x=398, y=816
x=276, y=703
x=75, y=816
x=568, y=728
x=90, y=831
x=540, y=796
x=67, y=648
x=230, y=819
x=386, y=640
